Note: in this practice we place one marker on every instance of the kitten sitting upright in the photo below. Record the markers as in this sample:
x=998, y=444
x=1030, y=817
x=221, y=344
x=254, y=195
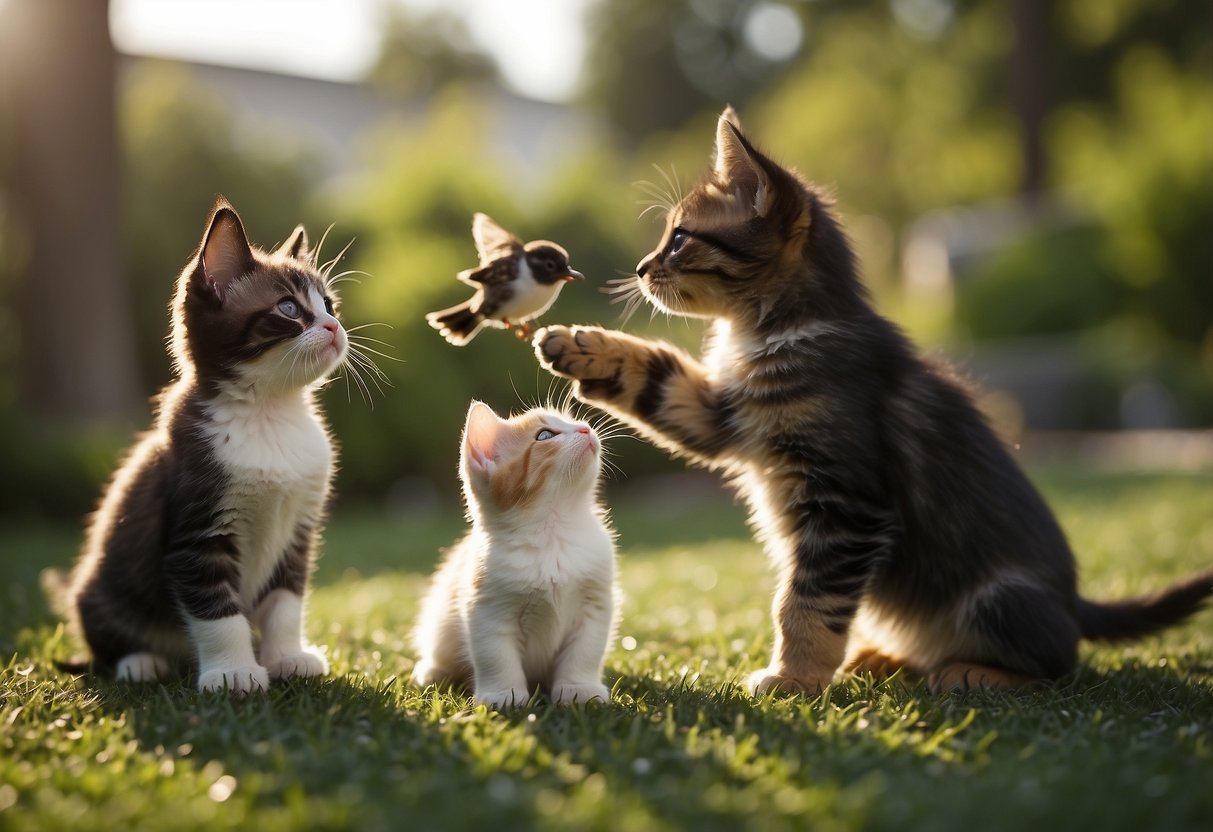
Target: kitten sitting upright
x=528, y=597
x=208, y=528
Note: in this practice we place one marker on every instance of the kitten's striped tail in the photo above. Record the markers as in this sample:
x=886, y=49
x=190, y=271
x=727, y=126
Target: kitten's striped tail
x=1135, y=617
x=459, y=324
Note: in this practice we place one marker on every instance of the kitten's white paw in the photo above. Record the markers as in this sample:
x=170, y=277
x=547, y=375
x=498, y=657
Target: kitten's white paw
x=503, y=699
x=307, y=663
x=580, y=693
x=141, y=667
x=237, y=681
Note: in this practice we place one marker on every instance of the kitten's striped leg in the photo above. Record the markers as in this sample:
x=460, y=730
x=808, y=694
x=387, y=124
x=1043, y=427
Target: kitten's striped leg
x=280, y=615
x=659, y=390
x=204, y=579
x=820, y=588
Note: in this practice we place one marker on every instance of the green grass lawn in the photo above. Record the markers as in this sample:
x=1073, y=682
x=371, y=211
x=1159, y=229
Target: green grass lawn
x=1125, y=743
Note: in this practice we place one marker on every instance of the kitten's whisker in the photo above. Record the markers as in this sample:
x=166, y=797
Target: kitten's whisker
x=320, y=245
x=328, y=266
x=350, y=329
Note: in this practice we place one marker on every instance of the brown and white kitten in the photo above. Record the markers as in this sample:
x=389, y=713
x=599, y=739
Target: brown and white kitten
x=903, y=532
x=527, y=599
x=207, y=531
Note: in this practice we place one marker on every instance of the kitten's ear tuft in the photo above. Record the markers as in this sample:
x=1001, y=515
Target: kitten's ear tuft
x=480, y=435
x=296, y=246
x=225, y=254
x=740, y=168
x=730, y=115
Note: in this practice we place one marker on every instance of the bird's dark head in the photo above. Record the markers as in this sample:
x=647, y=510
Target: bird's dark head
x=550, y=263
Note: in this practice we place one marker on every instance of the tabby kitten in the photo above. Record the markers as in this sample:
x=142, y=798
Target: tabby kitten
x=903, y=532
x=207, y=531
x=528, y=598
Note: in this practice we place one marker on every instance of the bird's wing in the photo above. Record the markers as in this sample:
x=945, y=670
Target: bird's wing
x=492, y=241
x=495, y=273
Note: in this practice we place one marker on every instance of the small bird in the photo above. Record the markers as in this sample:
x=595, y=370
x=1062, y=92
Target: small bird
x=515, y=284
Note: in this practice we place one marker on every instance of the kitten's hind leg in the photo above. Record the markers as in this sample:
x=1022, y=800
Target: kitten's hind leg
x=1025, y=634
x=283, y=650
x=141, y=667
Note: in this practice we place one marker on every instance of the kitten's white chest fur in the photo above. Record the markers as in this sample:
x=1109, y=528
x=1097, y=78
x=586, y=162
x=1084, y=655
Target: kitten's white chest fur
x=278, y=458
x=540, y=587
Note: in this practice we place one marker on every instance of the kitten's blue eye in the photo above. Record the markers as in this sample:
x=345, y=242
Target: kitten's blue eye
x=544, y=434
x=328, y=304
x=678, y=240
x=288, y=307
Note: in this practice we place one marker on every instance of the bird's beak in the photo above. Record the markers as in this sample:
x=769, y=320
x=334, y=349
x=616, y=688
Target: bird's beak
x=572, y=275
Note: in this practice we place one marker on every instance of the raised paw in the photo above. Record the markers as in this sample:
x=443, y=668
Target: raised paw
x=503, y=699
x=307, y=663
x=772, y=680
x=580, y=694
x=236, y=681
x=579, y=352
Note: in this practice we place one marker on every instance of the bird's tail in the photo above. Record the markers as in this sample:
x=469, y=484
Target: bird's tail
x=1134, y=617
x=459, y=324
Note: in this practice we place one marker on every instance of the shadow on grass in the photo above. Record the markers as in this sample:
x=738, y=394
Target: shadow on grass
x=677, y=752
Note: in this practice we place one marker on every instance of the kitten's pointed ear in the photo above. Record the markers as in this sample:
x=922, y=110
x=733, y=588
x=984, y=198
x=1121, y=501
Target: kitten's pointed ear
x=296, y=245
x=739, y=167
x=480, y=435
x=225, y=253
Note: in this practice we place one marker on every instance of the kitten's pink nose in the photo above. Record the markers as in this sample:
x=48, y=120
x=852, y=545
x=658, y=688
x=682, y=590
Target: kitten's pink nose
x=584, y=430
x=331, y=325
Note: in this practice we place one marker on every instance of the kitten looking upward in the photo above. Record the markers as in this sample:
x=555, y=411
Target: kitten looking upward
x=207, y=530
x=528, y=597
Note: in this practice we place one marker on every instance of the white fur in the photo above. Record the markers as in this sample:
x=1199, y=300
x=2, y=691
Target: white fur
x=279, y=459
x=283, y=651
x=225, y=656
x=528, y=599
x=531, y=298
x=141, y=667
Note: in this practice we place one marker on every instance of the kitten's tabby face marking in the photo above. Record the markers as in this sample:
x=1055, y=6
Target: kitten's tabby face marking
x=719, y=243
x=528, y=461
x=256, y=319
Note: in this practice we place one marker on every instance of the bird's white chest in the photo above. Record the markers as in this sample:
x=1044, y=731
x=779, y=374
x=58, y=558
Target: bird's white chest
x=530, y=297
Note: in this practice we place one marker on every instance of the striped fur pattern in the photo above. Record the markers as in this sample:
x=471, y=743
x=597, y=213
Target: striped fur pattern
x=527, y=600
x=204, y=538
x=903, y=533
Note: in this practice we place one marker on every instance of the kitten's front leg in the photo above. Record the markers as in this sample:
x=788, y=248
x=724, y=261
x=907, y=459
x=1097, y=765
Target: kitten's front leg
x=498, y=678
x=204, y=579
x=821, y=584
x=659, y=390
x=578, y=674
x=283, y=650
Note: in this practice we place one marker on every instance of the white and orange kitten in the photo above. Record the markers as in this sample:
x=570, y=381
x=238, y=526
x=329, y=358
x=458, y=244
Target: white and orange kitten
x=527, y=599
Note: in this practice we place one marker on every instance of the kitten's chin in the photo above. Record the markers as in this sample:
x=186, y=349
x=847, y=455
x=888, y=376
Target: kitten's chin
x=669, y=300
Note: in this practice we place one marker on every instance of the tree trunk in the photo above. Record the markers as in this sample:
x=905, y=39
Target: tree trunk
x=1029, y=71
x=77, y=350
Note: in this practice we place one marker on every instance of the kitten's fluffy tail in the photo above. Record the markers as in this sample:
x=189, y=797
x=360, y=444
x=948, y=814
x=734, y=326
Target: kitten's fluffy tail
x=1141, y=616
x=57, y=587
x=459, y=324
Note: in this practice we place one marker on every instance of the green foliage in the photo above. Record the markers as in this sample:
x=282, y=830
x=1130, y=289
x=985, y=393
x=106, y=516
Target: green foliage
x=181, y=149
x=1123, y=743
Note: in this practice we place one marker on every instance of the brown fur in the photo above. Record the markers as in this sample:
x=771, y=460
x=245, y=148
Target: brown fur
x=899, y=523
